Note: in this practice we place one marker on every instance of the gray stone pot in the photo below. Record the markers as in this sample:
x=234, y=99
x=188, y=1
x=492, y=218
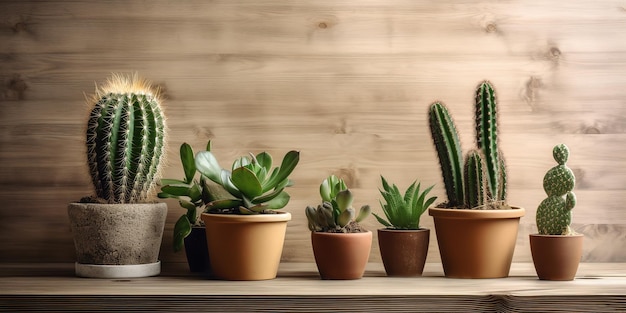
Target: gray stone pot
x=117, y=240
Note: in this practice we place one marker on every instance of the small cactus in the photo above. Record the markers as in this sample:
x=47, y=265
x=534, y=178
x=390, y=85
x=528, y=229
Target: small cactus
x=125, y=139
x=479, y=182
x=554, y=214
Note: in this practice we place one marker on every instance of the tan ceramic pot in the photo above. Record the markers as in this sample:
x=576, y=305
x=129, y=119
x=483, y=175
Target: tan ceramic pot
x=341, y=256
x=245, y=247
x=556, y=257
x=403, y=251
x=476, y=243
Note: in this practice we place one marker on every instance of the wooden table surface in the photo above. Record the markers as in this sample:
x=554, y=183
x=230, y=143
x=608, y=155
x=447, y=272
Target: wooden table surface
x=598, y=287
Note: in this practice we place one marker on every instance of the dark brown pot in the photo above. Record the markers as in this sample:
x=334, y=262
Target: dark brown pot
x=556, y=257
x=341, y=255
x=476, y=243
x=403, y=251
x=197, y=251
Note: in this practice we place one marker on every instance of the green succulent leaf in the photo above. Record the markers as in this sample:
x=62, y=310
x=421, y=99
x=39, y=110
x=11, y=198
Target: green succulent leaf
x=168, y=181
x=178, y=190
x=364, y=212
x=246, y=182
x=264, y=159
x=382, y=220
x=188, y=161
x=224, y=204
x=346, y=217
x=344, y=200
x=267, y=197
x=278, y=202
x=287, y=166
x=207, y=165
x=182, y=229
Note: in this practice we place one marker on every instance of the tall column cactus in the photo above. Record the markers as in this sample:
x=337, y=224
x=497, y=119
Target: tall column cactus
x=480, y=181
x=125, y=139
x=554, y=214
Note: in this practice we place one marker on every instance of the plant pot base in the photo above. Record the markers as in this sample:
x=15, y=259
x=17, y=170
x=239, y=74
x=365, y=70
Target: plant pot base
x=117, y=271
x=556, y=257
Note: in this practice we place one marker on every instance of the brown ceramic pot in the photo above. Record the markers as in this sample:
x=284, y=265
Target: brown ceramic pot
x=341, y=255
x=403, y=251
x=556, y=257
x=245, y=247
x=476, y=243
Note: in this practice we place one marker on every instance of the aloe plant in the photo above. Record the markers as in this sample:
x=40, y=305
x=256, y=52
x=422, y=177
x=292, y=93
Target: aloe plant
x=479, y=181
x=336, y=213
x=403, y=211
x=125, y=139
x=253, y=186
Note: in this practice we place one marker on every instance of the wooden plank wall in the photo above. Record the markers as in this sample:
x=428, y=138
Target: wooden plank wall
x=347, y=83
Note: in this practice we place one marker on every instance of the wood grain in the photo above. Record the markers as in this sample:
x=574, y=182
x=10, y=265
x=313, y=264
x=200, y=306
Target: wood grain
x=598, y=287
x=347, y=85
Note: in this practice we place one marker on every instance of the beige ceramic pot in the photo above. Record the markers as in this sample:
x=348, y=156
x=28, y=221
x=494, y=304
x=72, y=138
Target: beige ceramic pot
x=476, y=243
x=341, y=255
x=403, y=251
x=556, y=257
x=245, y=247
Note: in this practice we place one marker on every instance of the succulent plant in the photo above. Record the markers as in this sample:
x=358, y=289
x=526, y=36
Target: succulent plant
x=252, y=185
x=479, y=181
x=403, y=211
x=125, y=139
x=336, y=213
x=190, y=192
x=554, y=214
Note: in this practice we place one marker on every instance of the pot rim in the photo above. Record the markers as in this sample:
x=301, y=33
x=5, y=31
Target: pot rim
x=556, y=236
x=237, y=218
x=514, y=212
x=392, y=230
x=323, y=233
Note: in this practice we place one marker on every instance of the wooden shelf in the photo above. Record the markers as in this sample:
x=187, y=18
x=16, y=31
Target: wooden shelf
x=599, y=287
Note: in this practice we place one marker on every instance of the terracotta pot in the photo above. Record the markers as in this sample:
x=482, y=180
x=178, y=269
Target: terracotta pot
x=403, y=251
x=117, y=240
x=476, y=243
x=197, y=251
x=556, y=257
x=245, y=247
x=341, y=255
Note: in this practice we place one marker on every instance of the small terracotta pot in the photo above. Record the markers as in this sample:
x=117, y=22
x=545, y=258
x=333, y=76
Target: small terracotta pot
x=341, y=255
x=197, y=251
x=403, y=251
x=556, y=257
x=245, y=247
x=476, y=243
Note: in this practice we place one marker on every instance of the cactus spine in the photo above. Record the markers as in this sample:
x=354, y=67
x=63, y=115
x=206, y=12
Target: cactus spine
x=554, y=214
x=125, y=139
x=480, y=181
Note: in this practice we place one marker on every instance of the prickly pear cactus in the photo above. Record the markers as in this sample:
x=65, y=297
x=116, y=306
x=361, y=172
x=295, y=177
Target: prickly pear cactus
x=125, y=139
x=554, y=214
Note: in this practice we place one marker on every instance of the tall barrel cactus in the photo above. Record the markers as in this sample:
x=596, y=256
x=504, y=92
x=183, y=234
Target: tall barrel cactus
x=479, y=180
x=125, y=139
x=554, y=214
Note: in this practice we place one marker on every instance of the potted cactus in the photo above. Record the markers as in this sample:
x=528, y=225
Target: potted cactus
x=189, y=231
x=340, y=245
x=476, y=229
x=403, y=243
x=240, y=208
x=117, y=232
x=557, y=249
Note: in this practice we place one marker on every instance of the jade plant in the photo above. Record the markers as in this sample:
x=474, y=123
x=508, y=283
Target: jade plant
x=125, y=140
x=554, y=214
x=192, y=195
x=477, y=181
x=251, y=186
x=403, y=211
x=336, y=214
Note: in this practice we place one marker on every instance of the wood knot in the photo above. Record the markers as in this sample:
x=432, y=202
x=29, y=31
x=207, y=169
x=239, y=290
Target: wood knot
x=349, y=176
x=322, y=25
x=19, y=27
x=491, y=28
x=555, y=52
x=16, y=87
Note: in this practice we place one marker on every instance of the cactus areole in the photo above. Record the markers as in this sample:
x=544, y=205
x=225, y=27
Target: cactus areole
x=125, y=139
